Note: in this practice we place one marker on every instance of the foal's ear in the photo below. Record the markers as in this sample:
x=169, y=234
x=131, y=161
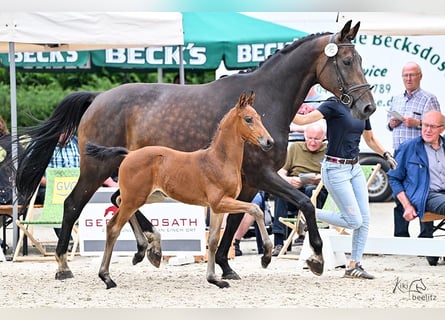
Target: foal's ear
x=251, y=98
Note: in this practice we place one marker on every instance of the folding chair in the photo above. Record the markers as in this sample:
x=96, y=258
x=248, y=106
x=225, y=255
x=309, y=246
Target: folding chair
x=293, y=223
x=370, y=172
x=6, y=216
x=431, y=216
x=59, y=183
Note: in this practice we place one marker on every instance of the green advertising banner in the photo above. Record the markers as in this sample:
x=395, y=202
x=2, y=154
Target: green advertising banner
x=52, y=59
x=209, y=38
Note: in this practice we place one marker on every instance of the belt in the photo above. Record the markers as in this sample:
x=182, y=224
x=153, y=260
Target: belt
x=341, y=160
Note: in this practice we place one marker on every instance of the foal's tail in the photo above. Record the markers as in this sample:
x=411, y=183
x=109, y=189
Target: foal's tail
x=43, y=139
x=102, y=153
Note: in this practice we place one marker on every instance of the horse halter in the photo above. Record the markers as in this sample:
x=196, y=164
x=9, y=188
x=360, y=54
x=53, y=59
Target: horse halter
x=346, y=97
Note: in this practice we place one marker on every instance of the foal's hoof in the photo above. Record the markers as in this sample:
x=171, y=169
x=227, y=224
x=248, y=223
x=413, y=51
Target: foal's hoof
x=154, y=257
x=231, y=275
x=62, y=275
x=315, y=264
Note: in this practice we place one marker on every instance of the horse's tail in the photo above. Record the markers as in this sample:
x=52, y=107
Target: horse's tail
x=103, y=153
x=43, y=139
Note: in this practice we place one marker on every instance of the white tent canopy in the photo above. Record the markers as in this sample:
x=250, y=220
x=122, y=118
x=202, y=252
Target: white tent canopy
x=396, y=23
x=61, y=31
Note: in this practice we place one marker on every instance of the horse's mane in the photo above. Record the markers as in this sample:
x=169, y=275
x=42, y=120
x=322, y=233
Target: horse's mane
x=287, y=48
x=300, y=41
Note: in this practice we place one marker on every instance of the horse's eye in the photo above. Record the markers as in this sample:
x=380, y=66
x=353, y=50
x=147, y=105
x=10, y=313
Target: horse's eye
x=249, y=120
x=347, y=62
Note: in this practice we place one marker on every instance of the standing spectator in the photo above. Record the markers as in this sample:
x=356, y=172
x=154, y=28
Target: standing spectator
x=344, y=178
x=418, y=183
x=411, y=105
x=302, y=157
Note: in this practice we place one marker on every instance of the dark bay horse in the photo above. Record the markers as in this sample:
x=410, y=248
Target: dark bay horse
x=208, y=177
x=184, y=117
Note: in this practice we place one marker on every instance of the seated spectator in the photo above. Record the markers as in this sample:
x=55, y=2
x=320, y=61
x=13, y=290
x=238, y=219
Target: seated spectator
x=261, y=199
x=311, y=103
x=67, y=155
x=302, y=157
x=419, y=180
x=6, y=165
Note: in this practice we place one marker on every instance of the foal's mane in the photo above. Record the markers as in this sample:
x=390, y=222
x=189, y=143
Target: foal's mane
x=221, y=122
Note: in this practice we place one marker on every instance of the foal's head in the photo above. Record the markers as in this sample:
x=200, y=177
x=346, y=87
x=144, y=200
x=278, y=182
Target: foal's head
x=250, y=125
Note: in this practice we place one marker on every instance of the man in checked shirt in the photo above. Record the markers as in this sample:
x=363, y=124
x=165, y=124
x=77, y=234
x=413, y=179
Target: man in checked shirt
x=411, y=104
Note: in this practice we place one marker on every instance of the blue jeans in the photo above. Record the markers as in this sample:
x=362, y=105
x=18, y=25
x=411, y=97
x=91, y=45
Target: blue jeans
x=346, y=185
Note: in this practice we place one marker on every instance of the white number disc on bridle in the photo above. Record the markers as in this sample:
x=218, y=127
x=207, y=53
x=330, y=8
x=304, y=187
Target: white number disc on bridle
x=330, y=50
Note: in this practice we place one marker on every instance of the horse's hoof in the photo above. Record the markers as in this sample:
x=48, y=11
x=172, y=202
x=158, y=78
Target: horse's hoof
x=111, y=284
x=137, y=258
x=265, y=261
x=154, y=258
x=223, y=284
x=315, y=264
x=231, y=275
x=105, y=277
x=219, y=283
x=62, y=275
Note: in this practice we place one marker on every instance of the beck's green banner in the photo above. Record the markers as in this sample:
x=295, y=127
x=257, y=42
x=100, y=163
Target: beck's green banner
x=51, y=60
x=238, y=40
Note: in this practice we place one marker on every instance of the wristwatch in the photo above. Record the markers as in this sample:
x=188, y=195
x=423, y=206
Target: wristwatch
x=420, y=125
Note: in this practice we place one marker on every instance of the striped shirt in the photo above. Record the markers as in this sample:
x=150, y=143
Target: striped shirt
x=411, y=105
x=67, y=156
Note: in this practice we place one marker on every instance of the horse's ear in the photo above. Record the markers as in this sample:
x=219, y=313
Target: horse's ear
x=251, y=98
x=354, y=31
x=345, y=31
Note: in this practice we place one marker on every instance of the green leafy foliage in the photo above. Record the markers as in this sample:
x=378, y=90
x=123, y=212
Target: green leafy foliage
x=38, y=93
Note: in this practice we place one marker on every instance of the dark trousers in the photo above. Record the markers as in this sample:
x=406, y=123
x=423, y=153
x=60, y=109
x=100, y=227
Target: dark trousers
x=282, y=208
x=401, y=226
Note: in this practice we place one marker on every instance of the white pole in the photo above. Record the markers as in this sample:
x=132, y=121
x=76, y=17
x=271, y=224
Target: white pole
x=12, y=82
x=181, y=66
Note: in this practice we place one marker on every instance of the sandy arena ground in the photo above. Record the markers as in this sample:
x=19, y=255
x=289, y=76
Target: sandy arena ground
x=281, y=285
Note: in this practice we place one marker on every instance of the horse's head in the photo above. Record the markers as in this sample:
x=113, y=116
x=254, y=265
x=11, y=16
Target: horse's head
x=250, y=125
x=339, y=70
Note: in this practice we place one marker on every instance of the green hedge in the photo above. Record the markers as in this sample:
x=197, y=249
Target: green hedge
x=38, y=93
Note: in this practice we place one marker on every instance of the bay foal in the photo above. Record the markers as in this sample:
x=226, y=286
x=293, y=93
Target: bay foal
x=207, y=177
